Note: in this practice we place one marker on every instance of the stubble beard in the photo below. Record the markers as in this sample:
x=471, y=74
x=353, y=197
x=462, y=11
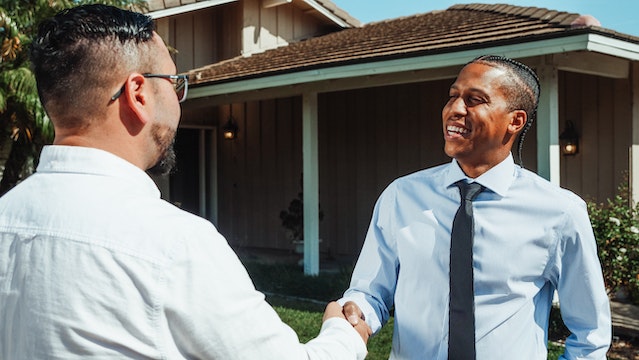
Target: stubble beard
x=164, y=138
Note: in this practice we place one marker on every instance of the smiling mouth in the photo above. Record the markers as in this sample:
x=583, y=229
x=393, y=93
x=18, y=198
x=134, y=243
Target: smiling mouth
x=452, y=130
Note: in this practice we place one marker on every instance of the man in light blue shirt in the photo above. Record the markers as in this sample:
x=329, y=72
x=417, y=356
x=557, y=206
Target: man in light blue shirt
x=530, y=237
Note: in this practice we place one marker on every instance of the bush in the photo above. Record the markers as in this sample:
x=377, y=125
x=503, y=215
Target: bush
x=616, y=228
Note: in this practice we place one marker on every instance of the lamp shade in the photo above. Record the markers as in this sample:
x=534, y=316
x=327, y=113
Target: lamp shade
x=569, y=140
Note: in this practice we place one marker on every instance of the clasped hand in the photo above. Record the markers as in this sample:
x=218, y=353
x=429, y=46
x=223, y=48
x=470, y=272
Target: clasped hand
x=352, y=313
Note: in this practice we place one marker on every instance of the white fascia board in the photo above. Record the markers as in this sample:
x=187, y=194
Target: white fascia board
x=522, y=50
x=614, y=47
x=187, y=8
x=273, y=3
x=322, y=10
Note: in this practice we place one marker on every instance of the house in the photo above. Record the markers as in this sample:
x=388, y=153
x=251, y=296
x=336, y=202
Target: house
x=352, y=109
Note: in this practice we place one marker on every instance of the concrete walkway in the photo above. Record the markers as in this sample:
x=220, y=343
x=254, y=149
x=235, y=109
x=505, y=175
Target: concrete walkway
x=625, y=319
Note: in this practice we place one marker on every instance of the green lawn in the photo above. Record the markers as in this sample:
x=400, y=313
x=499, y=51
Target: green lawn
x=302, y=299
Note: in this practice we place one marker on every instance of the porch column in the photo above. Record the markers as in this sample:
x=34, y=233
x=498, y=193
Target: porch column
x=634, y=149
x=548, y=154
x=311, y=183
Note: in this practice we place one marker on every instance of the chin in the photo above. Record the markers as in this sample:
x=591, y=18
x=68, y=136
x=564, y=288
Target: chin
x=165, y=165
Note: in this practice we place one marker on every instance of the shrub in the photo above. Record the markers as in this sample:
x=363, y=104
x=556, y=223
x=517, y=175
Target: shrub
x=616, y=227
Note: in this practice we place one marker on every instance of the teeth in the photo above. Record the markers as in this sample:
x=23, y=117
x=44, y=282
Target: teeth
x=456, y=129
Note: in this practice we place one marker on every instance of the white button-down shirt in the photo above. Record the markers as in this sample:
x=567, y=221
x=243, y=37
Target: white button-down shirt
x=94, y=264
x=531, y=237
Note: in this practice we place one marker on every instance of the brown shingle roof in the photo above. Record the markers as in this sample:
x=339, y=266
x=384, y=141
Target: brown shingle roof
x=456, y=28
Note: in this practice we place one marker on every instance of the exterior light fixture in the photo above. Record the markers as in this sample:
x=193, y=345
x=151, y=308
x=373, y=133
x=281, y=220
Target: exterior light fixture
x=229, y=130
x=569, y=140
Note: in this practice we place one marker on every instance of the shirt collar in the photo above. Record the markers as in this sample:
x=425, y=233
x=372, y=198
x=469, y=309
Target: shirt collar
x=85, y=160
x=498, y=179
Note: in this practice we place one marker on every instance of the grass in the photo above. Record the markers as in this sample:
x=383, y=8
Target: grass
x=300, y=300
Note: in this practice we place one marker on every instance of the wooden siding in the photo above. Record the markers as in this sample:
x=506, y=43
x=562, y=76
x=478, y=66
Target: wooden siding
x=240, y=28
x=260, y=172
x=204, y=37
x=601, y=110
x=368, y=138
x=268, y=28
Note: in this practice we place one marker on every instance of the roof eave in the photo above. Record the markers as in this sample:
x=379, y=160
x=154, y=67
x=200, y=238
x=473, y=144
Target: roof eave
x=448, y=57
x=329, y=15
x=178, y=10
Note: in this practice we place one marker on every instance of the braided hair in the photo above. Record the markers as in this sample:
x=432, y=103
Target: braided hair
x=522, y=89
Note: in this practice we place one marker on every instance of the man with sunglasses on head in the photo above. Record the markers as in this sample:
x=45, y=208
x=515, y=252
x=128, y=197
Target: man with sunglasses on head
x=93, y=264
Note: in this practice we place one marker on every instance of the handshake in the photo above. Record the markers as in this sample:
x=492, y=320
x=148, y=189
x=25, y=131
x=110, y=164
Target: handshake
x=352, y=313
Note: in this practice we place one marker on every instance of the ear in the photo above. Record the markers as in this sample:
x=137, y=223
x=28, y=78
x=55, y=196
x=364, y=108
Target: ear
x=136, y=92
x=517, y=121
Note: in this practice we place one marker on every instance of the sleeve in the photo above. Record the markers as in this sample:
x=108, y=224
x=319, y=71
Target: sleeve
x=584, y=304
x=374, y=278
x=214, y=312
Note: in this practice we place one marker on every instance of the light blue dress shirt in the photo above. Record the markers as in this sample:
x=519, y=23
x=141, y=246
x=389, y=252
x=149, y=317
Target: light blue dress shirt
x=531, y=238
x=93, y=264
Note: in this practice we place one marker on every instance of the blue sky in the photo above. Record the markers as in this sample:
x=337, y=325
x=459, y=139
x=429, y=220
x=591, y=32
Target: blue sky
x=619, y=15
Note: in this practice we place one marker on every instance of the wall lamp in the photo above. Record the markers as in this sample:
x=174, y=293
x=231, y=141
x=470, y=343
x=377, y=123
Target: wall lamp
x=229, y=130
x=569, y=139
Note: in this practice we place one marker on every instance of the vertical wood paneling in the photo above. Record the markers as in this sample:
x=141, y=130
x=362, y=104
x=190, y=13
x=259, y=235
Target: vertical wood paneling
x=184, y=36
x=379, y=138
x=204, y=39
x=285, y=24
x=287, y=172
x=622, y=122
x=229, y=31
x=590, y=139
x=605, y=134
x=600, y=109
x=570, y=110
x=409, y=127
x=268, y=28
x=269, y=203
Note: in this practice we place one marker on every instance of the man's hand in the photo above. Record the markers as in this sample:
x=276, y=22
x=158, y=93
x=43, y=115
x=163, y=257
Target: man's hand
x=333, y=309
x=353, y=313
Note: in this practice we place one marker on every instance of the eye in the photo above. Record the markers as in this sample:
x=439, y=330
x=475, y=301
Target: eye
x=475, y=100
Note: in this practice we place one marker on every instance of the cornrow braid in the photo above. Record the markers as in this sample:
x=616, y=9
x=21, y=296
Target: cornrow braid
x=522, y=91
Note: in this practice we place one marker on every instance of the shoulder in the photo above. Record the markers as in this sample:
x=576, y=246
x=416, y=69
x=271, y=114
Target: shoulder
x=414, y=185
x=429, y=176
x=538, y=186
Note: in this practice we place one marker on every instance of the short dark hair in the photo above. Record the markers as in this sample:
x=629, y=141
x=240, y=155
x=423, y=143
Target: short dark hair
x=80, y=49
x=522, y=89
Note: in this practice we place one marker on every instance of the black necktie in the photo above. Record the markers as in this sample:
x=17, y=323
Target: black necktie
x=461, y=334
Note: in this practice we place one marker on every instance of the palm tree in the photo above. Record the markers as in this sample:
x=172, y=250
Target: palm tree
x=24, y=125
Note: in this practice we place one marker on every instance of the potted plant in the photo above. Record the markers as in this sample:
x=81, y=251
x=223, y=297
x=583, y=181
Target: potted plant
x=293, y=221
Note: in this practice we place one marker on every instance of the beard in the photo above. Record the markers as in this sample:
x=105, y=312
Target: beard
x=164, y=138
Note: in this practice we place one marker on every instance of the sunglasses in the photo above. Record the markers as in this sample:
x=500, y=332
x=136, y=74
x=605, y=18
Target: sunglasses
x=180, y=85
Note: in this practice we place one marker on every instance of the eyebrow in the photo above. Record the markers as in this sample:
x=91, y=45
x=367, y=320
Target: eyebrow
x=472, y=90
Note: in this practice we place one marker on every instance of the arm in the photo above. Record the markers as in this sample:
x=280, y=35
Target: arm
x=214, y=311
x=584, y=303
x=375, y=276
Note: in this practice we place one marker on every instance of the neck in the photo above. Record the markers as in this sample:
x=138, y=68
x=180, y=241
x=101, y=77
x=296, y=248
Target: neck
x=106, y=142
x=475, y=169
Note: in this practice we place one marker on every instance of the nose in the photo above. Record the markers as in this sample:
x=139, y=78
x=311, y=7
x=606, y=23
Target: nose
x=456, y=106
